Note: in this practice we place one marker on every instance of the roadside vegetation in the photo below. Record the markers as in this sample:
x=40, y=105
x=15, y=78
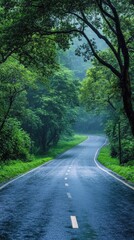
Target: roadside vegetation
x=126, y=170
x=13, y=168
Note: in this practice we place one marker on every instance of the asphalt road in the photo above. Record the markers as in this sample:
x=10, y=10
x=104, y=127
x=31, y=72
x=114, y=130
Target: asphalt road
x=68, y=199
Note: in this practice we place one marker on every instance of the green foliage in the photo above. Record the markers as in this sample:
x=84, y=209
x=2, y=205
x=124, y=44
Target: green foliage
x=14, y=81
x=128, y=148
x=101, y=93
x=127, y=140
x=69, y=59
x=126, y=171
x=40, y=53
x=52, y=109
x=34, y=112
x=14, y=141
x=100, y=89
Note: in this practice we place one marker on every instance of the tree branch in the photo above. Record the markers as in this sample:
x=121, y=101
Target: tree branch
x=120, y=36
x=104, y=14
x=110, y=103
x=83, y=18
x=99, y=58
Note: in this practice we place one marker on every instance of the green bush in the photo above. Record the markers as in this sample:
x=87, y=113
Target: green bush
x=128, y=149
x=14, y=141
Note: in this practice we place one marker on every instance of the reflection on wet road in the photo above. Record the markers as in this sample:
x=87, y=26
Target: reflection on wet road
x=68, y=199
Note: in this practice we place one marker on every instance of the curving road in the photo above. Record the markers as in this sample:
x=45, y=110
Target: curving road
x=69, y=198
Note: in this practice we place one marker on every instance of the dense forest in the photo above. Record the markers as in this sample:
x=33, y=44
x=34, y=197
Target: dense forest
x=64, y=66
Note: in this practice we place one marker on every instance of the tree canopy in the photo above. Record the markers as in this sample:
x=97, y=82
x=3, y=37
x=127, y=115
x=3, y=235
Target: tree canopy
x=21, y=20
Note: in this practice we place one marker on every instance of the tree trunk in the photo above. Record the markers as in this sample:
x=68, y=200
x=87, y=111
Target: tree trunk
x=6, y=115
x=119, y=137
x=127, y=100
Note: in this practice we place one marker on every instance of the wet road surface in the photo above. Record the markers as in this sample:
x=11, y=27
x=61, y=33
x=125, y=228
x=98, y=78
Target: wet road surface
x=68, y=199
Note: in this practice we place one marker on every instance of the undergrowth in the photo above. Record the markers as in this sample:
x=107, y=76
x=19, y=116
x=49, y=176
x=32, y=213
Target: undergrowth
x=126, y=170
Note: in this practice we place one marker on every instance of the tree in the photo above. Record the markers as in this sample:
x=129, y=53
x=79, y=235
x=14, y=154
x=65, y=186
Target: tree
x=52, y=109
x=22, y=19
x=114, y=35
x=100, y=93
x=14, y=80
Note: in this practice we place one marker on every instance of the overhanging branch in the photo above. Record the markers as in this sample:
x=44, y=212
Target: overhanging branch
x=108, y=65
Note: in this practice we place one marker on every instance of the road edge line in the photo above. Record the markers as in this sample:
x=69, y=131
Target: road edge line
x=111, y=173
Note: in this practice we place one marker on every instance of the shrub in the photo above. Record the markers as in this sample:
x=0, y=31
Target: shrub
x=14, y=141
x=128, y=149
